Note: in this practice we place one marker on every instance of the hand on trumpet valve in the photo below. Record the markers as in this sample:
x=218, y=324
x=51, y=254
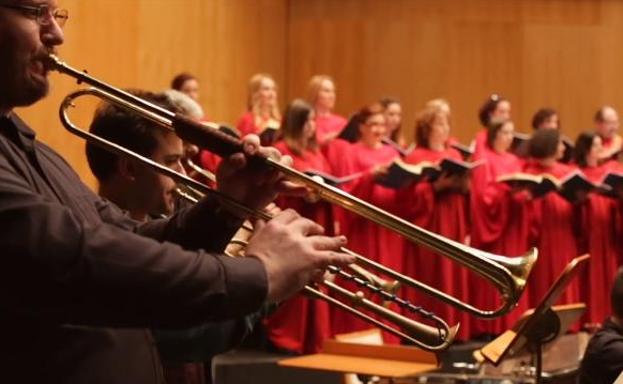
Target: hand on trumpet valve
x=254, y=187
x=294, y=252
x=312, y=195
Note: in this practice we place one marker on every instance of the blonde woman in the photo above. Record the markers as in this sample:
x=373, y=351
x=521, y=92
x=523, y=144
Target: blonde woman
x=262, y=107
x=321, y=95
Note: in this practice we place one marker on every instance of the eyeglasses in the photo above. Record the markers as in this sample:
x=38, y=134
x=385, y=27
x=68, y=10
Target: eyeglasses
x=41, y=13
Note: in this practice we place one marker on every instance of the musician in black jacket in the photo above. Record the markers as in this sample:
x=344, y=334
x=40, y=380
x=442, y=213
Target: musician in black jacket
x=603, y=359
x=80, y=282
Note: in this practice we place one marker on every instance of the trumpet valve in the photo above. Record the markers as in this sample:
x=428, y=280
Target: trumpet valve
x=358, y=298
x=391, y=286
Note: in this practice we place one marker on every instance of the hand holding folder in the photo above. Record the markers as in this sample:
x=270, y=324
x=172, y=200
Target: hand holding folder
x=573, y=187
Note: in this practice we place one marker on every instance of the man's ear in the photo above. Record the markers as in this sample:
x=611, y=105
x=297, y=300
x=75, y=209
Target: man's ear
x=126, y=168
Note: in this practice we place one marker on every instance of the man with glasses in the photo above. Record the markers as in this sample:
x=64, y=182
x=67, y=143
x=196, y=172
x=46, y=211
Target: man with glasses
x=80, y=282
x=606, y=121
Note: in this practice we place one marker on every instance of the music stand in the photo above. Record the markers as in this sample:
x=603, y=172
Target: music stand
x=539, y=326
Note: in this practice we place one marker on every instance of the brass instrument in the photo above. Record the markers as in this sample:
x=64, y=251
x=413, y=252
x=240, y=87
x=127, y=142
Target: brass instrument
x=508, y=275
x=425, y=333
x=201, y=171
x=239, y=241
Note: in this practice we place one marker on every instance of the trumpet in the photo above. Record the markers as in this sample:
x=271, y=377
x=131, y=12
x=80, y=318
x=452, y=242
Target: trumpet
x=211, y=177
x=507, y=274
x=239, y=241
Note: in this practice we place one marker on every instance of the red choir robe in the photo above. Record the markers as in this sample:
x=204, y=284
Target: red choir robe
x=247, y=125
x=365, y=237
x=598, y=238
x=501, y=224
x=208, y=161
x=302, y=324
x=333, y=149
x=327, y=125
x=444, y=213
x=617, y=167
x=336, y=152
x=556, y=238
x=480, y=143
x=609, y=143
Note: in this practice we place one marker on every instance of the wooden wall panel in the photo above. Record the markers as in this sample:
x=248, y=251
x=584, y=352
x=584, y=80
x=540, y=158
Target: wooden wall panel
x=144, y=43
x=558, y=53
x=567, y=54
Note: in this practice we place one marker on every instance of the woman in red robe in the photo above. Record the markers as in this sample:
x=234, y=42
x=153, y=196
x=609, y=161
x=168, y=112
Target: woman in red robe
x=555, y=217
x=393, y=120
x=438, y=206
x=262, y=110
x=598, y=236
x=370, y=156
x=321, y=94
x=301, y=324
x=495, y=108
x=500, y=219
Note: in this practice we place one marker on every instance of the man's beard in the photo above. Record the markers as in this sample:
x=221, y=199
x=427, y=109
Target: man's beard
x=19, y=88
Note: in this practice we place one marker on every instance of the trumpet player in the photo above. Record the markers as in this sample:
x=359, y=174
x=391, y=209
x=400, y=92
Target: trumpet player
x=81, y=282
x=146, y=195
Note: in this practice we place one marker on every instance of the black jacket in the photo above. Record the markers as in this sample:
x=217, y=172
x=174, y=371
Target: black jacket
x=80, y=282
x=603, y=359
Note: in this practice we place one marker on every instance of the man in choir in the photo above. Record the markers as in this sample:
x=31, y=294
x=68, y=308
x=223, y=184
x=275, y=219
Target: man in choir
x=607, y=125
x=81, y=282
x=603, y=358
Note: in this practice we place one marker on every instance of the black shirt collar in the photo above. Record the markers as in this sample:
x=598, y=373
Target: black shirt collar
x=16, y=130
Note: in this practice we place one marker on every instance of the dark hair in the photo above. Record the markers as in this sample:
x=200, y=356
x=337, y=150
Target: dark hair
x=541, y=116
x=424, y=125
x=365, y=113
x=544, y=143
x=178, y=81
x=487, y=108
x=124, y=128
x=616, y=294
x=294, y=119
x=385, y=103
x=583, y=145
x=493, y=128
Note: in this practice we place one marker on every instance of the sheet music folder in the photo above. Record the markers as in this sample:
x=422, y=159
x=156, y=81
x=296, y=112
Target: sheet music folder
x=515, y=340
x=377, y=360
